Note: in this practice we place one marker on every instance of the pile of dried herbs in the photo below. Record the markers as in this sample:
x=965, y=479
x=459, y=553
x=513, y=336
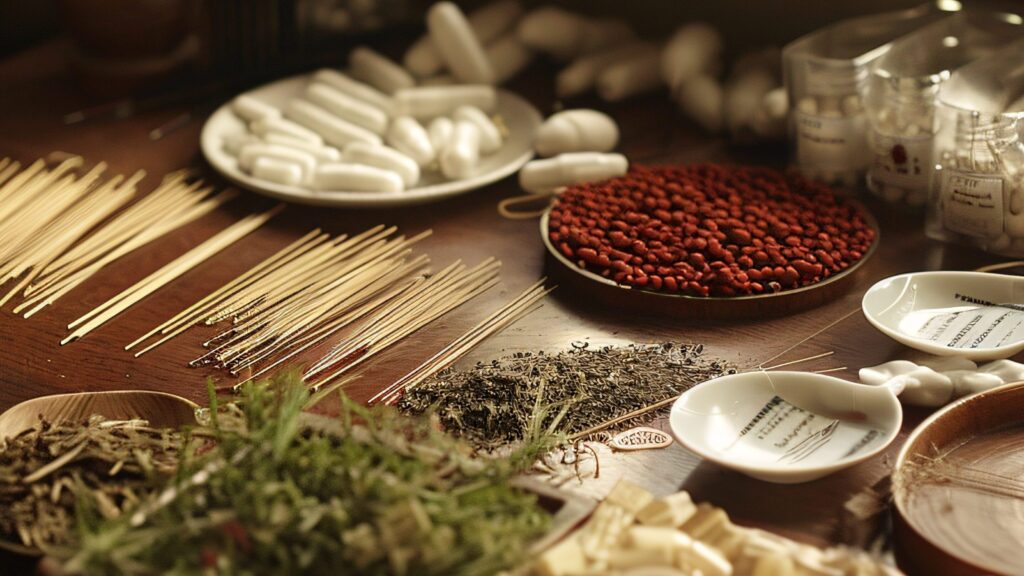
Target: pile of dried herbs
x=280, y=492
x=492, y=404
x=42, y=469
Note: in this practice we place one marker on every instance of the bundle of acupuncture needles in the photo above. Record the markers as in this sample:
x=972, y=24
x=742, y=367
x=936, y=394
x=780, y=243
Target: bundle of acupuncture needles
x=59, y=227
x=367, y=287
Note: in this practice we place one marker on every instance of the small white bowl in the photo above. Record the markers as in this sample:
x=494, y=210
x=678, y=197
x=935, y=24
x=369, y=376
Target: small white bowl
x=785, y=427
x=950, y=313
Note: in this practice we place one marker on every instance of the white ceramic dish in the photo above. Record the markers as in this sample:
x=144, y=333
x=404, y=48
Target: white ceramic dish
x=785, y=427
x=950, y=313
x=521, y=117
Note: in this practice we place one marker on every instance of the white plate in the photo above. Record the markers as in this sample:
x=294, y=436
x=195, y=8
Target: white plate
x=785, y=427
x=519, y=115
x=950, y=313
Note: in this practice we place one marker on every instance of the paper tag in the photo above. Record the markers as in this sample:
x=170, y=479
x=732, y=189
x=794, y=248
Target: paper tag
x=972, y=203
x=838, y=144
x=642, y=438
x=902, y=161
x=781, y=433
x=979, y=324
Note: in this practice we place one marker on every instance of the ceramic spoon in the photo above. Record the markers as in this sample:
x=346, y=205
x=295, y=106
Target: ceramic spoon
x=975, y=315
x=786, y=427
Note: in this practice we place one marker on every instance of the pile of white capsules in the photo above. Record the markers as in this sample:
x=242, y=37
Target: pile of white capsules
x=375, y=129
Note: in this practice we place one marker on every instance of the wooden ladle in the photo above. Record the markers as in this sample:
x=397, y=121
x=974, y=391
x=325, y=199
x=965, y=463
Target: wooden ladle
x=161, y=409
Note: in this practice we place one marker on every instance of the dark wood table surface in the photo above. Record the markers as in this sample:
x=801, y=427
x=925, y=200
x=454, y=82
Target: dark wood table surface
x=37, y=90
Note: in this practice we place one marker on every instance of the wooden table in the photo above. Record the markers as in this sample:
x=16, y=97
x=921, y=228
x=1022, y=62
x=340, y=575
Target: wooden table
x=37, y=92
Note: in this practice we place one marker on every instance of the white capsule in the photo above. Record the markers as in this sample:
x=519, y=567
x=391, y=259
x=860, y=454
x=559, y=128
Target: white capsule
x=277, y=170
x=440, y=132
x=355, y=89
x=488, y=22
x=634, y=75
x=286, y=127
x=348, y=108
x=248, y=155
x=439, y=80
x=458, y=45
x=320, y=152
x=579, y=130
x=566, y=35
x=490, y=136
x=694, y=49
x=508, y=57
x=431, y=101
x=459, y=157
x=378, y=70
x=700, y=98
x=234, y=142
x=744, y=95
x=383, y=157
x=251, y=109
x=572, y=168
x=580, y=75
x=408, y=137
x=356, y=178
x=334, y=130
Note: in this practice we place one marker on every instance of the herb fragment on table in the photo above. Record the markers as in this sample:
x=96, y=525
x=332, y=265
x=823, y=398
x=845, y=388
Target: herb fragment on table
x=280, y=492
x=492, y=404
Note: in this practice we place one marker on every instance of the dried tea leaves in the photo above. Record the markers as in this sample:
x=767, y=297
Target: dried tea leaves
x=493, y=404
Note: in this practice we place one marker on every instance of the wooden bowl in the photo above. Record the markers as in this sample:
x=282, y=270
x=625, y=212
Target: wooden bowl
x=159, y=408
x=604, y=292
x=940, y=525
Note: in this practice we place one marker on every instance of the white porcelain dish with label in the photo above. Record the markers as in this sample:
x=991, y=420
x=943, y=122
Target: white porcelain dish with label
x=518, y=114
x=785, y=427
x=976, y=315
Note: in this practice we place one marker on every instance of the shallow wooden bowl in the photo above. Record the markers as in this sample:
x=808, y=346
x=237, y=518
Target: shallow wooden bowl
x=943, y=527
x=159, y=408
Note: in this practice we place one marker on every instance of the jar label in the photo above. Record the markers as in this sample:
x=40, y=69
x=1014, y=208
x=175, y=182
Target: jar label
x=972, y=203
x=904, y=162
x=838, y=144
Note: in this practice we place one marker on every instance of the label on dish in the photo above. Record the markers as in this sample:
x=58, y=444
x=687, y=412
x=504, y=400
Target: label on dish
x=972, y=203
x=781, y=433
x=831, y=143
x=903, y=162
x=979, y=324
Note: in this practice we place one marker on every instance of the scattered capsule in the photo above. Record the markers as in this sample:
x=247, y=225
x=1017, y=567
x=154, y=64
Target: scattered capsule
x=431, y=101
x=276, y=170
x=347, y=108
x=581, y=74
x=581, y=130
x=378, y=70
x=383, y=157
x=459, y=157
x=334, y=130
x=251, y=109
x=572, y=168
x=408, y=137
x=321, y=153
x=567, y=35
x=458, y=45
x=508, y=57
x=440, y=132
x=286, y=127
x=490, y=136
x=355, y=89
x=356, y=178
x=631, y=76
x=488, y=22
x=694, y=49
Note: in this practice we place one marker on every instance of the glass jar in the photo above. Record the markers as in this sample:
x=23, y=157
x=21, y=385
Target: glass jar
x=825, y=74
x=977, y=191
x=900, y=97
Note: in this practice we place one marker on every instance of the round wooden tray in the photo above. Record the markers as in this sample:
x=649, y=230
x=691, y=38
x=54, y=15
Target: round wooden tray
x=605, y=292
x=942, y=526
